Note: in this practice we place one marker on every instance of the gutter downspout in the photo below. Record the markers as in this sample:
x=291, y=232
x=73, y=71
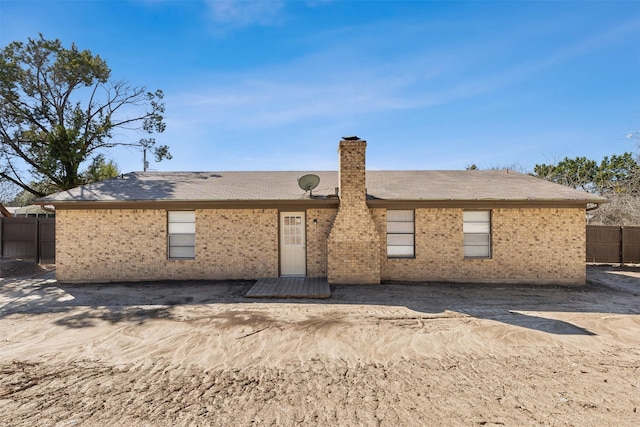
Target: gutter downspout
x=44, y=208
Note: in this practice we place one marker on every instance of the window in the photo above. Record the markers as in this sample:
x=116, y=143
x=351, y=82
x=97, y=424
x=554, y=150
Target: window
x=477, y=234
x=182, y=234
x=293, y=230
x=400, y=234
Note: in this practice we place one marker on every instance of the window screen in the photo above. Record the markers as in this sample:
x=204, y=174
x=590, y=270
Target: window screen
x=400, y=234
x=182, y=234
x=477, y=234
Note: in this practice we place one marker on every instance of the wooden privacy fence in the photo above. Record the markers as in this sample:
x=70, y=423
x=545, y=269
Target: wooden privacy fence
x=28, y=238
x=613, y=244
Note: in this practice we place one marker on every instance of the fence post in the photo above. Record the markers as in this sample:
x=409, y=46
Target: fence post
x=37, y=251
x=622, y=246
x=1, y=239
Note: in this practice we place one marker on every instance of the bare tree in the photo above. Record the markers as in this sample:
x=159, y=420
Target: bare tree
x=8, y=191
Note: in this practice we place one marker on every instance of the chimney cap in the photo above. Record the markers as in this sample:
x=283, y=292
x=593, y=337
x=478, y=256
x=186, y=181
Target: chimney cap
x=351, y=138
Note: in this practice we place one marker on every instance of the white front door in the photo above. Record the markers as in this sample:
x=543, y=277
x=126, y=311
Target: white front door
x=292, y=244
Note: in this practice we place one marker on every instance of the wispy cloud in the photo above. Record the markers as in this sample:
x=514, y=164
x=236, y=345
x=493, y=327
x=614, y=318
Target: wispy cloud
x=274, y=102
x=337, y=84
x=628, y=29
x=240, y=13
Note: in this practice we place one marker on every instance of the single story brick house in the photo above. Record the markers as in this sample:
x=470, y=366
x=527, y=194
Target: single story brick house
x=358, y=226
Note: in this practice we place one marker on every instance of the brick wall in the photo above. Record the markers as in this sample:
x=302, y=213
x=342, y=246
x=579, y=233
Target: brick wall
x=319, y=222
x=528, y=246
x=353, y=247
x=131, y=244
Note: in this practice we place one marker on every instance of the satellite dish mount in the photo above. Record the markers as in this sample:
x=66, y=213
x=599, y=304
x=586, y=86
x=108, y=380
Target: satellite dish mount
x=308, y=183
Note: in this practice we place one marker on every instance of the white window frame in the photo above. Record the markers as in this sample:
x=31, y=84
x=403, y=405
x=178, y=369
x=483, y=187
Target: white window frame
x=181, y=234
x=401, y=233
x=477, y=234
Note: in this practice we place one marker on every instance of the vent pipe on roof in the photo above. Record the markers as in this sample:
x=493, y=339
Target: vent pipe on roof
x=145, y=163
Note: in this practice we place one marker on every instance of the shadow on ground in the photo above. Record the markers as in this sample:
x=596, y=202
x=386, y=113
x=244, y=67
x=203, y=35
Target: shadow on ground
x=610, y=290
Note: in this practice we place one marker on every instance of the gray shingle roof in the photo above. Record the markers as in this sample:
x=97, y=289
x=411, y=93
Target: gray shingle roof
x=386, y=185
x=468, y=185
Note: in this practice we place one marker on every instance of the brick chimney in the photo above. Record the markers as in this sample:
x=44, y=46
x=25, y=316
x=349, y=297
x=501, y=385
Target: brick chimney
x=353, y=247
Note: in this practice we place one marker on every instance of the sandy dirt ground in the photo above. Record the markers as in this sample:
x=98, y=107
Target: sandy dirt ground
x=199, y=353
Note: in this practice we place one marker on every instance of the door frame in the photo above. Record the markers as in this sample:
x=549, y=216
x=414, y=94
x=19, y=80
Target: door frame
x=304, y=231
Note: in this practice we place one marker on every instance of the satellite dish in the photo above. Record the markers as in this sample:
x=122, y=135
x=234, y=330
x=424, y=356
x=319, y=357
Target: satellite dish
x=309, y=182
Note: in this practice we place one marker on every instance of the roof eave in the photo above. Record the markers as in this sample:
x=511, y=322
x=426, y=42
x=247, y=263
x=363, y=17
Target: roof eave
x=480, y=203
x=321, y=203
x=196, y=204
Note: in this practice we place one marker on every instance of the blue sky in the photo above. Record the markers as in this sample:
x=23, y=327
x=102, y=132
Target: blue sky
x=274, y=85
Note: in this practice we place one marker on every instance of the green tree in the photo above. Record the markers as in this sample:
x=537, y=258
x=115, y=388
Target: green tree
x=25, y=198
x=59, y=108
x=100, y=169
x=576, y=173
x=618, y=173
x=616, y=177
